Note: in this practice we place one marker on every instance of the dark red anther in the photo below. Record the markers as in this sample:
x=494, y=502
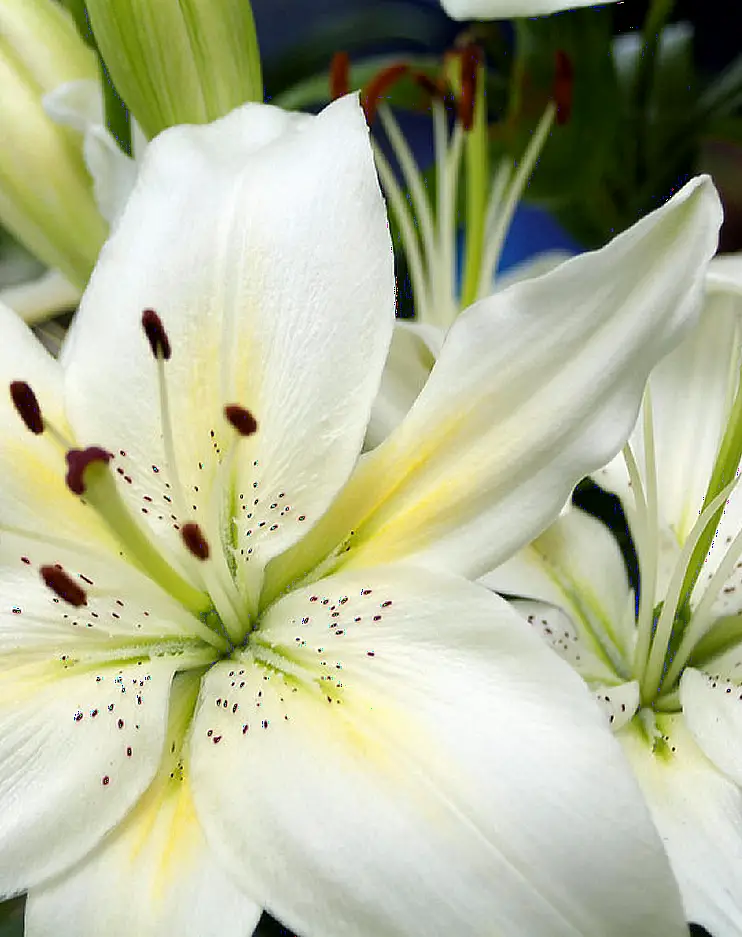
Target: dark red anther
x=64, y=586
x=378, y=86
x=339, y=75
x=194, y=539
x=430, y=87
x=564, y=81
x=471, y=59
x=241, y=419
x=25, y=402
x=78, y=461
x=156, y=334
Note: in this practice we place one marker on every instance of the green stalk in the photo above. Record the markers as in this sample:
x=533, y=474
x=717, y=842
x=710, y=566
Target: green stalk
x=724, y=472
x=117, y=114
x=657, y=16
x=78, y=12
x=477, y=179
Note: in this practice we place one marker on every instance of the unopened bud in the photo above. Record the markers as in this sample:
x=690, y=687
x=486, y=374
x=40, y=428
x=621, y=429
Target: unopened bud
x=179, y=61
x=46, y=193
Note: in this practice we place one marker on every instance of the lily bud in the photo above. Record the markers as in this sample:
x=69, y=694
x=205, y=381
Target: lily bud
x=46, y=195
x=179, y=61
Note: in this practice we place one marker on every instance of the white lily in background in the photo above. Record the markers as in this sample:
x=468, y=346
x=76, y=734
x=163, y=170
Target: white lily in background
x=46, y=197
x=669, y=673
x=222, y=687
x=509, y=9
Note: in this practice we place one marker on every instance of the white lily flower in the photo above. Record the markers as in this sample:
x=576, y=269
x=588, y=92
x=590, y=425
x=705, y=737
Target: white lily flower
x=509, y=9
x=670, y=673
x=227, y=691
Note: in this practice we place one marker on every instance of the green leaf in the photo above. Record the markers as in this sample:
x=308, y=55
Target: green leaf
x=576, y=155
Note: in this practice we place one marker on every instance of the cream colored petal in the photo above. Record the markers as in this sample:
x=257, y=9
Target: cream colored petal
x=79, y=744
x=154, y=875
x=412, y=354
x=576, y=564
x=506, y=9
x=261, y=241
x=395, y=753
x=698, y=812
x=534, y=387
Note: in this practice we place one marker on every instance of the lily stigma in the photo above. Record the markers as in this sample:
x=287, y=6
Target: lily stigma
x=668, y=669
x=243, y=667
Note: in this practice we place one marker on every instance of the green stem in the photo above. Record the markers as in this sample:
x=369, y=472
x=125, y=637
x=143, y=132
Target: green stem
x=79, y=13
x=657, y=16
x=477, y=171
x=117, y=114
x=724, y=472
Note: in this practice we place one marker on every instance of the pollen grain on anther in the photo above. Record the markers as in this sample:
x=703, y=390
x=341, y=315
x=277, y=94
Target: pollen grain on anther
x=27, y=406
x=241, y=419
x=78, y=461
x=156, y=334
x=195, y=541
x=62, y=584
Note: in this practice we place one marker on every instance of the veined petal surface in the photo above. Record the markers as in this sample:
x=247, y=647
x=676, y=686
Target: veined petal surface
x=262, y=243
x=534, y=388
x=698, y=812
x=396, y=734
x=79, y=744
x=154, y=875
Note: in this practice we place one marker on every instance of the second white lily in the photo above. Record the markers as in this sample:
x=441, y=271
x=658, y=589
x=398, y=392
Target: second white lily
x=669, y=674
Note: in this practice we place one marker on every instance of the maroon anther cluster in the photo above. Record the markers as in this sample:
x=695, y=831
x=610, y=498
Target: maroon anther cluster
x=27, y=406
x=63, y=585
x=194, y=539
x=241, y=419
x=78, y=461
x=156, y=334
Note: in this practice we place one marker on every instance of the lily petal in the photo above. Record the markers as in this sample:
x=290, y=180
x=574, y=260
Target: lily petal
x=41, y=298
x=576, y=564
x=78, y=747
x=154, y=875
x=412, y=354
x=535, y=387
x=79, y=104
x=712, y=705
x=691, y=392
x=574, y=645
x=34, y=498
x=698, y=812
x=258, y=239
x=400, y=706
x=725, y=273
x=507, y=9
